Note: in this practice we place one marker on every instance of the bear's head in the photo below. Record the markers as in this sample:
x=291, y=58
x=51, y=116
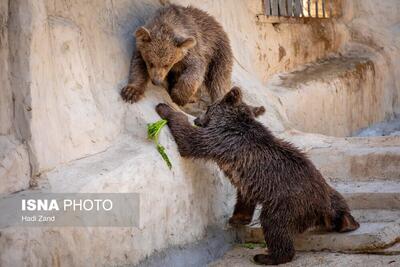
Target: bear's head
x=230, y=108
x=161, y=49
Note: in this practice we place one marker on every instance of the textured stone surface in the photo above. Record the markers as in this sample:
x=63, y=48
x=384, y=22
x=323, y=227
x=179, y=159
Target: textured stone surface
x=359, y=159
x=370, y=237
x=176, y=206
x=377, y=25
x=391, y=128
x=5, y=90
x=210, y=248
x=62, y=61
x=241, y=257
x=14, y=165
x=68, y=62
x=336, y=96
x=371, y=195
x=376, y=206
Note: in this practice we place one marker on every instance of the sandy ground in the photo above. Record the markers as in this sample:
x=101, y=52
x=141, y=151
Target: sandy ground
x=239, y=256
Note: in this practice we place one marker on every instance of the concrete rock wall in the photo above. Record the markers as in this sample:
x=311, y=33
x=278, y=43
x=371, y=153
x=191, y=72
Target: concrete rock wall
x=14, y=162
x=5, y=90
x=70, y=59
x=376, y=24
x=63, y=62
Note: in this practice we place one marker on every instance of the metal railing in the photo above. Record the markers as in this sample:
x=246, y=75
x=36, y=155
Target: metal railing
x=299, y=8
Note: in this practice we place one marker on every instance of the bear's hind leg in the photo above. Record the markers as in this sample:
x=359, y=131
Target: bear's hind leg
x=342, y=220
x=279, y=239
x=347, y=223
x=243, y=212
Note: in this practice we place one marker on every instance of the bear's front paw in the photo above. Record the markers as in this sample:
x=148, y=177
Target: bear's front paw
x=164, y=110
x=179, y=98
x=131, y=93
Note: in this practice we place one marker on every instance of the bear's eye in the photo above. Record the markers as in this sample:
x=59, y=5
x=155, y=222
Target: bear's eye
x=151, y=65
x=165, y=66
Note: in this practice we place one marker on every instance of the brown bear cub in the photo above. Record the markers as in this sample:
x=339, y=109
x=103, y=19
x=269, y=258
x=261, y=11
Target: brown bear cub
x=184, y=48
x=265, y=170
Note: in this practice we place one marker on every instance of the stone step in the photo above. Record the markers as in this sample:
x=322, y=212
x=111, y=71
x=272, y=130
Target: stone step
x=376, y=215
x=240, y=256
x=358, y=159
x=335, y=96
x=371, y=195
x=376, y=205
x=372, y=236
x=369, y=201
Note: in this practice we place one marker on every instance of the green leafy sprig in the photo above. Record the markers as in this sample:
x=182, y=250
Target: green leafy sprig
x=153, y=131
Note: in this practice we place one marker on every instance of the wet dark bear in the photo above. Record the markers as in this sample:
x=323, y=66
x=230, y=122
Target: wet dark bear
x=265, y=170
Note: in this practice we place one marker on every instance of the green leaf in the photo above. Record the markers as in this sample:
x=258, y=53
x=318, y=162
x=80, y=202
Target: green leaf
x=153, y=131
x=164, y=155
x=249, y=245
x=253, y=245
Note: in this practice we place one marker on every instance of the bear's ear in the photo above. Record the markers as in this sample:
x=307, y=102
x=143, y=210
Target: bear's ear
x=233, y=97
x=186, y=43
x=258, y=111
x=143, y=34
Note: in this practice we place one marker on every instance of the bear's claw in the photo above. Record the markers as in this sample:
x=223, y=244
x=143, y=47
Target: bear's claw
x=131, y=94
x=163, y=110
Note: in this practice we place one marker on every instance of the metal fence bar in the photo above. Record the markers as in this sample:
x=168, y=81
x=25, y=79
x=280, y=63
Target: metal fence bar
x=267, y=7
x=274, y=8
x=297, y=8
x=302, y=8
x=282, y=8
x=289, y=8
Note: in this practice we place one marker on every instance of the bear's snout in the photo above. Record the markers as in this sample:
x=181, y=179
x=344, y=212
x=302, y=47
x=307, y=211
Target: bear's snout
x=156, y=82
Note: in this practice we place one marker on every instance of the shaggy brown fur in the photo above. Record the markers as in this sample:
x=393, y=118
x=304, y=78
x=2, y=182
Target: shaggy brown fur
x=184, y=47
x=265, y=170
